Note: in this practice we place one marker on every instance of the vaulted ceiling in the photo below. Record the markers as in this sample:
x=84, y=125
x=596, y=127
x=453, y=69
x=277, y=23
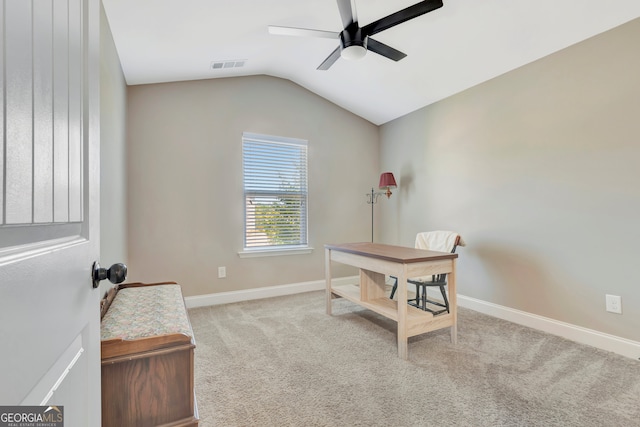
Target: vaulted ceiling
x=448, y=50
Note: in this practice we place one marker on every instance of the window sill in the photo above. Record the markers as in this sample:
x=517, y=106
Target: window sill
x=274, y=252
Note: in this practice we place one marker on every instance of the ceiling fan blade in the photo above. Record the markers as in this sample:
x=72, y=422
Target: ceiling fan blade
x=347, y=12
x=384, y=50
x=401, y=16
x=330, y=60
x=302, y=32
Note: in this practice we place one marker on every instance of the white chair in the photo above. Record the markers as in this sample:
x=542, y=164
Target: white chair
x=441, y=241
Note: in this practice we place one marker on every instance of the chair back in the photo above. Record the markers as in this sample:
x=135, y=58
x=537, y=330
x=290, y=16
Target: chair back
x=441, y=241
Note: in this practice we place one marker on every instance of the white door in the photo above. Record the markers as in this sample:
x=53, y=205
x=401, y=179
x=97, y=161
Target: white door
x=49, y=201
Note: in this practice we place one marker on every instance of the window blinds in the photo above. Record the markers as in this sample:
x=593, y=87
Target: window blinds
x=275, y=191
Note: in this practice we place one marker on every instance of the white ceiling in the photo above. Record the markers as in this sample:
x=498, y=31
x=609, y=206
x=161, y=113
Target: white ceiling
x=450, y=49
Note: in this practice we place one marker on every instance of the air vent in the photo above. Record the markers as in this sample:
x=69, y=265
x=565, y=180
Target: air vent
x=229, y=63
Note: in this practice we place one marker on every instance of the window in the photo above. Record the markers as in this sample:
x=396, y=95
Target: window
x=275, y=192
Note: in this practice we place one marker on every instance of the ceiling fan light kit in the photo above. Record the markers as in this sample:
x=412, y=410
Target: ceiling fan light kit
x=353, y=52
x=356, y=40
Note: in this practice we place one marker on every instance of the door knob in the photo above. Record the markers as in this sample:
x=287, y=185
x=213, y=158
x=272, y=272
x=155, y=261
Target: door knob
x=117, y=273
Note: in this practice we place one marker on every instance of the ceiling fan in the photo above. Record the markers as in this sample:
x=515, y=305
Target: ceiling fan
x=356, y=40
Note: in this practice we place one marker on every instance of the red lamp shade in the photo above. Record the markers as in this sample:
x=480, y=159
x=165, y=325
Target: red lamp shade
x=386, y=181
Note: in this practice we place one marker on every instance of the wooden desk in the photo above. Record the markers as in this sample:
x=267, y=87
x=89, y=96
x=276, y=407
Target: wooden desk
x=375, y=261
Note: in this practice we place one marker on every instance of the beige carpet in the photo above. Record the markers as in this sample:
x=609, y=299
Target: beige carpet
x=284, y=362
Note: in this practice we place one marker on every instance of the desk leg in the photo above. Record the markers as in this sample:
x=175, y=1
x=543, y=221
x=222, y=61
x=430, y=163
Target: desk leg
x=453, y=303
x=403, y=348
x=327, y=276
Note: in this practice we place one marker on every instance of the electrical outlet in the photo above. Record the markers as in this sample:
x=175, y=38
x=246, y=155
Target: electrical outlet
x=222, y=272
x=614, y=304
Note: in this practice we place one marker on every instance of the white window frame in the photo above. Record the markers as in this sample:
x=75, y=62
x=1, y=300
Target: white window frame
x=266, y=141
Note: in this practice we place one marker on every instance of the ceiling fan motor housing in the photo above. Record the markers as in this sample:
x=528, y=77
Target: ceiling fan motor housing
x=353, y=44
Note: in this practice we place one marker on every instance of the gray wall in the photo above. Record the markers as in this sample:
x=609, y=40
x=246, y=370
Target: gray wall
x=185, y=200
x=539, y=170
x=113, y=180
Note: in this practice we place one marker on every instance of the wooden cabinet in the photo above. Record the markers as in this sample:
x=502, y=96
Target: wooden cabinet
x=147, y=357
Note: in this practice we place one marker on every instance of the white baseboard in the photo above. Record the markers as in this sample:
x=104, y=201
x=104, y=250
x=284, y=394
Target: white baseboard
x=575, y=333
x=259, y=293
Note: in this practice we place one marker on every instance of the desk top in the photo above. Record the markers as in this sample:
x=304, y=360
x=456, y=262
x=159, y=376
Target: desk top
x=401, y=254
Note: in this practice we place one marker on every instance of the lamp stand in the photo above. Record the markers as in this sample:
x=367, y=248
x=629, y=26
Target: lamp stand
x=386, y=181
x=371, y=200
